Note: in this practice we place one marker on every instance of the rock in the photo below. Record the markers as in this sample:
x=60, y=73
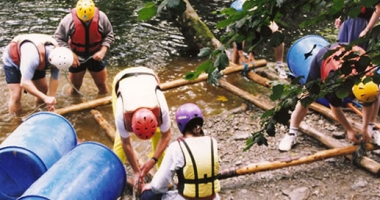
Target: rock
x=359, y=184
x=301, y=193
x=339, y=134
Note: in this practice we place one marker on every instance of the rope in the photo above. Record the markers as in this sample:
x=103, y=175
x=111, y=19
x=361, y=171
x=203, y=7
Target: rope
x=83, y=61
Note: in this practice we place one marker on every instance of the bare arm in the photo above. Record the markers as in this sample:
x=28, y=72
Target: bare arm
x=161, y=146
x=131, y=157
x=374, y=19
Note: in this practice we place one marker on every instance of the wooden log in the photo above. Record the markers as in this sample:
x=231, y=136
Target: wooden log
x=110, y=131
x=266, y=166
x=367, y=163
x=233, y=68
x=330, y=142
x=85, y=105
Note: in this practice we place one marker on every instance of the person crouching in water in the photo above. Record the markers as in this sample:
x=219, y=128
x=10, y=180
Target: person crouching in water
x=193, y=157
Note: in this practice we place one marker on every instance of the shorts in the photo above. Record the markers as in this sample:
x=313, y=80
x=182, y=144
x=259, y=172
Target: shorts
x=92, y=66
x=13, y=75
x=350, y=30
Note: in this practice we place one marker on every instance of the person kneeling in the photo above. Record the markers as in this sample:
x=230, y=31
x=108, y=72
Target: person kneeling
x=193, y=157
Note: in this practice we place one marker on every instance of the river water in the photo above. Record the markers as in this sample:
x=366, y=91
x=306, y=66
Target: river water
x=157, y=45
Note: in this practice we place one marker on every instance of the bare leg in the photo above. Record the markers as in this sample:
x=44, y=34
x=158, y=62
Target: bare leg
x=14, y=104
x=375, y=110
x=367, y=115
x=76, y=79
x=338, y=113
x=279, y=52
x=235, y=55
x=297, y=116
x=100, y=79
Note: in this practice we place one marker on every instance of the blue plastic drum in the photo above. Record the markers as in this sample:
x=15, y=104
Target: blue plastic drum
x=27, y=153
x=302, y=52
x=89, y=171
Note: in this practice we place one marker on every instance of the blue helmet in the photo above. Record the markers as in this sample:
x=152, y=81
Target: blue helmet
x=238, y=5
x=186, y=113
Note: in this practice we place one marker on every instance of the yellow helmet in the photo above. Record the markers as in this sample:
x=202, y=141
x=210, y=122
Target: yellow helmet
x=366, y=93
x=85, y=9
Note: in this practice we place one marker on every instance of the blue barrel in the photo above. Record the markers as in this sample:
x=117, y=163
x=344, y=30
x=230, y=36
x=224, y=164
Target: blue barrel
x=27, y=153
x=302, y=52
x=89, y=171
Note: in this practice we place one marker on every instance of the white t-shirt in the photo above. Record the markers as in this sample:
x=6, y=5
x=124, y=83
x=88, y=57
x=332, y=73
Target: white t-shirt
x=119, y=115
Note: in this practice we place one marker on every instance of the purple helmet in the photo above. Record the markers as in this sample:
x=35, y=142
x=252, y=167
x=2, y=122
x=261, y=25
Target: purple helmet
x=186, y=113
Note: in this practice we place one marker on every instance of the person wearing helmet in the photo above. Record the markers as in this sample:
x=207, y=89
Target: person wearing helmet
x=26, y=59
x=140, y=107
x=238, y=56
x=88, y=32
x=193, y=157
x=320, y=69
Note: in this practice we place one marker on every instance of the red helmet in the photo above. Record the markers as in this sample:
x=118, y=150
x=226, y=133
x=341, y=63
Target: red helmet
x=144, y=123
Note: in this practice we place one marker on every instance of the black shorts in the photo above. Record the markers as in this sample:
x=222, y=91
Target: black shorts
x=92, y=66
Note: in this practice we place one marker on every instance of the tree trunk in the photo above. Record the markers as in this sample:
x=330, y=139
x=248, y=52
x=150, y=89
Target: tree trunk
x=195, y=31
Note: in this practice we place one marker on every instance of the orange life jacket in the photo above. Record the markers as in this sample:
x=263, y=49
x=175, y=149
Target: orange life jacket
x=39, y=40
x=86, y=40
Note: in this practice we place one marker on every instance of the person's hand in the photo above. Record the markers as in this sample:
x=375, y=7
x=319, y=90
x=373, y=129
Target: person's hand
x=147, y=186
x=251, y=57
x=50, y=102
x=366, y=137
x=76, y=61
x=363, y=33
x=98, y=55
x=352, y=137
x=338, y=22
x=146, y=167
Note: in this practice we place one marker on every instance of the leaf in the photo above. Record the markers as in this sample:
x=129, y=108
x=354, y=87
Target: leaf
x=147, y=12
x=204, y=52
x=341, y=93
x=267, y=113
x=222, y=99
x=270, y=129
x=221, y=62
x=277, y=92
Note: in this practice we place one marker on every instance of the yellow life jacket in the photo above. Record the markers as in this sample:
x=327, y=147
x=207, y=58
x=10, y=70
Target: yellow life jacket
x=137, y=87
x=197, y=179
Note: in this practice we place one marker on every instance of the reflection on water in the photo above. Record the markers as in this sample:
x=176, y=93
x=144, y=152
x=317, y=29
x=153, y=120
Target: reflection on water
x=157, y=44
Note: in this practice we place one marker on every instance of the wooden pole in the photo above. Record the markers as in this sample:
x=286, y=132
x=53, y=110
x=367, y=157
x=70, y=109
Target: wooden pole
x=84, y=105
x=330, y=142
x=266, y=166
x=233, y=68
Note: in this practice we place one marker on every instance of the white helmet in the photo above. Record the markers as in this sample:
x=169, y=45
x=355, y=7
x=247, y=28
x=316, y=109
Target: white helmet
x=61, y=57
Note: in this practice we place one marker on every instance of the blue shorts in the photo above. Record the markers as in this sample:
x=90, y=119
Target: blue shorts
x=13, y=75
x=350, y=30
x=92, y=66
